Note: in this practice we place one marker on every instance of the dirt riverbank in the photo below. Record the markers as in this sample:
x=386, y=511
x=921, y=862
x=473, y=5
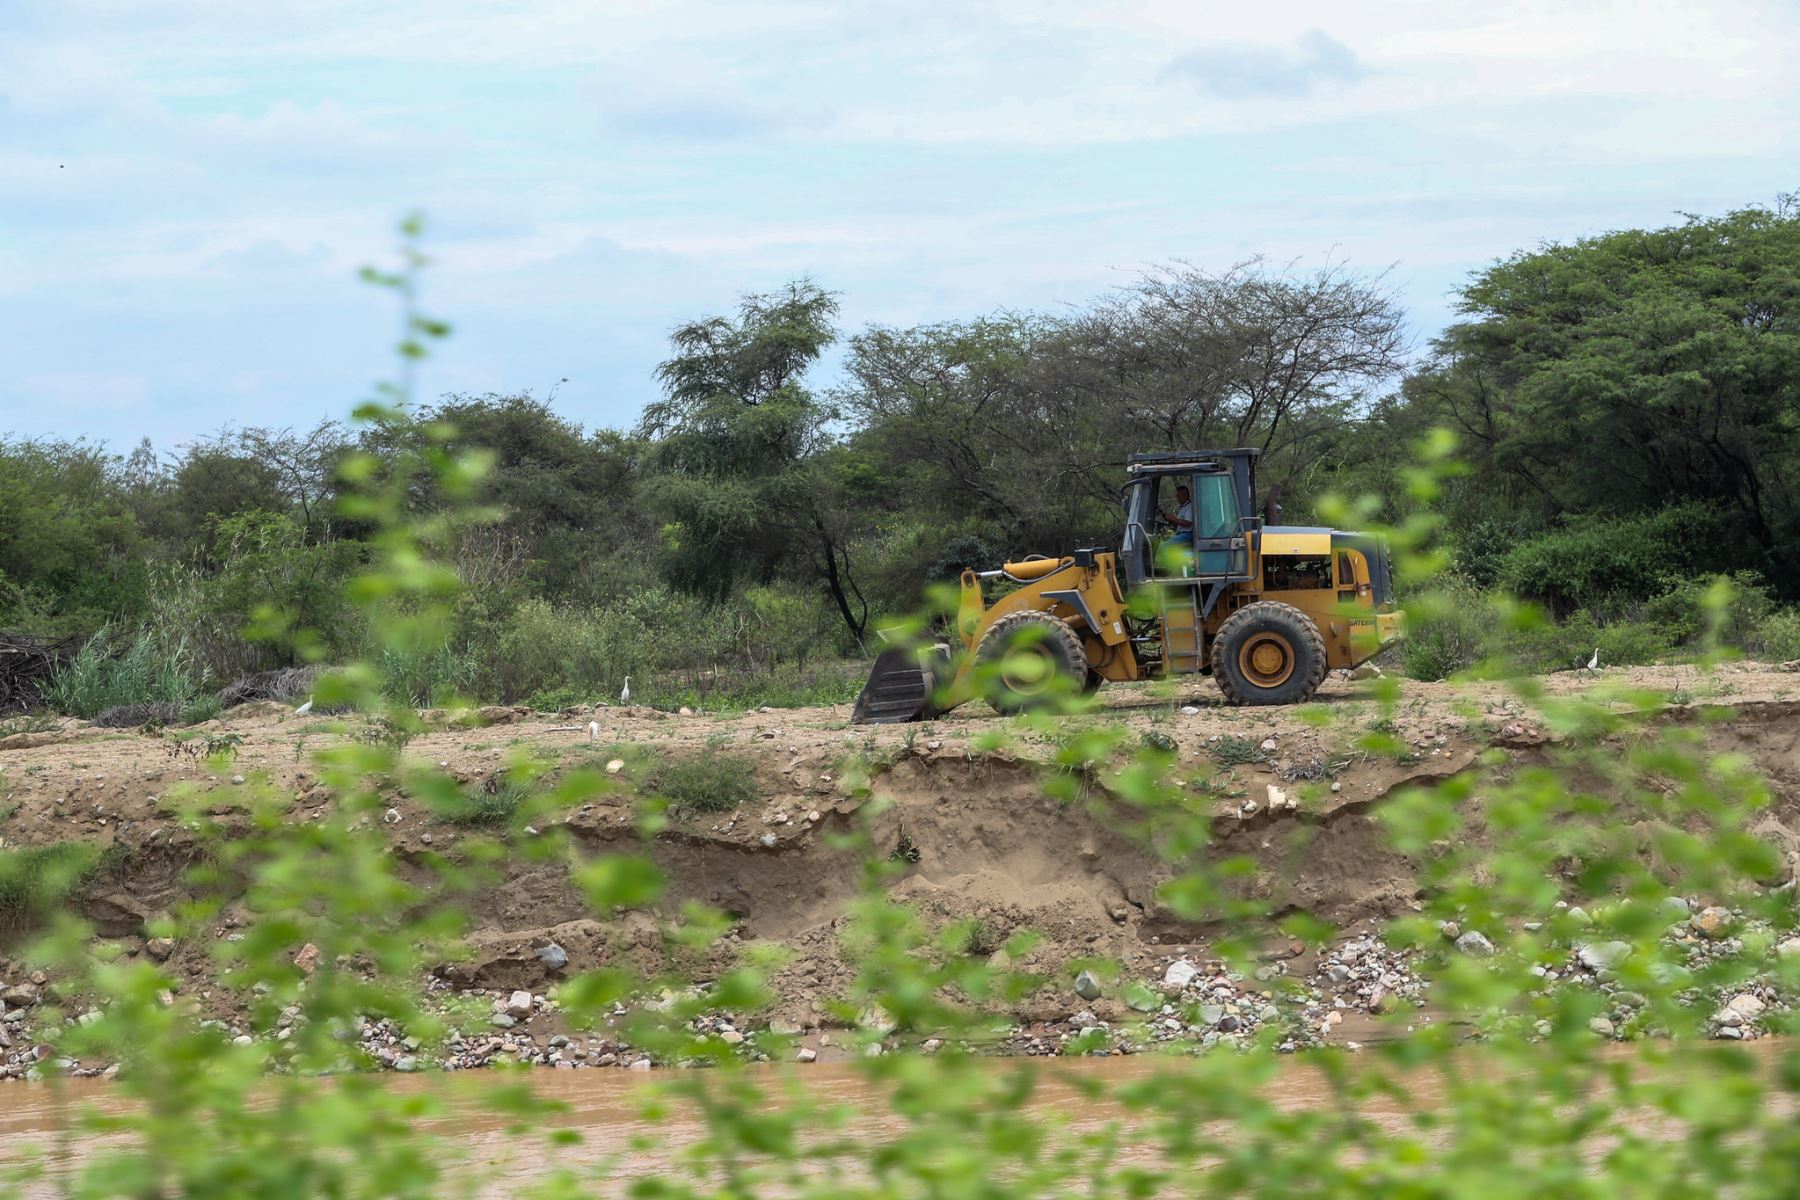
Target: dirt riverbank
x=962, y=796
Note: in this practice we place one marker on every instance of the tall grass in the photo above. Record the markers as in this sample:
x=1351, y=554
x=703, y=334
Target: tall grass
x=152, y=668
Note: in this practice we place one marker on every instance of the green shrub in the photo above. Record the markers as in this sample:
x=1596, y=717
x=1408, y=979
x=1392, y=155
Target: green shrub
x=1592, y=560
x=1534, y=644
x=1633, y=644
x=709, y=783
x=786, y=625
x=1728, y=608
x=489, y=804
x=152, y=668
x=35, y=879
x=1447, y=631
x=1777, y=636
x=237, y=607
x=582, y=654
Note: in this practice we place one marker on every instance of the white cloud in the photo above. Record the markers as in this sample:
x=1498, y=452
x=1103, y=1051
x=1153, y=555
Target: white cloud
x=186, y=174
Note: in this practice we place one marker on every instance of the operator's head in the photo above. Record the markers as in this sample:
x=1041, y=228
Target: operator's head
x=1182, y=493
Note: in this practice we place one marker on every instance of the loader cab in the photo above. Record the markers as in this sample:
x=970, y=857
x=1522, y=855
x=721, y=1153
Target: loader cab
x=1221, y=487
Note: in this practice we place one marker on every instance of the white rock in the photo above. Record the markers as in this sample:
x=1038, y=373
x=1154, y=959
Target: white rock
x=1602, y=956
x=1473, y=943
x=518, y=1005
x=1190, y=710
x=1278, y=799
x=1746, y=1005
x=1181, y=972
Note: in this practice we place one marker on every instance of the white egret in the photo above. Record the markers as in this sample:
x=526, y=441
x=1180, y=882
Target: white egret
x=1594, y=662
x=625, y=692
x=304, y=708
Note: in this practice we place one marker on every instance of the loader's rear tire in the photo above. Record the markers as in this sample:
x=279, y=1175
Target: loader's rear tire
x=1268, y=653
x=1031, y=660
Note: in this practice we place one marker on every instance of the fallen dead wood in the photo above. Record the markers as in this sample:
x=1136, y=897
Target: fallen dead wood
x=27, y=664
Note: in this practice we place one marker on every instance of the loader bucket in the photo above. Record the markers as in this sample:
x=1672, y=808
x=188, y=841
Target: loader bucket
x=900, y=687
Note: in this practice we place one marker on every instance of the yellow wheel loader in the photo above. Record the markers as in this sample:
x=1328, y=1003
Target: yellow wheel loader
x=1200, y=584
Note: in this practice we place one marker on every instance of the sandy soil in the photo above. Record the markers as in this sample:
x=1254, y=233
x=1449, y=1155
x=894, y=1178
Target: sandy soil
x=965, y=791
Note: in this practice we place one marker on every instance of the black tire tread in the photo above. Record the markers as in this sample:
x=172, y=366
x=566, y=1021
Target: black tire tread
x=1000, y=634
x=1223, y=650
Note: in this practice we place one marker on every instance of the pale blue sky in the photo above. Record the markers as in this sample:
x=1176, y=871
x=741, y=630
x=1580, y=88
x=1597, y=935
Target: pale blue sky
x=188, y=186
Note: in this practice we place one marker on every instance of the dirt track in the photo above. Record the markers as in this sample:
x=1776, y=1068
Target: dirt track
x=991, y=845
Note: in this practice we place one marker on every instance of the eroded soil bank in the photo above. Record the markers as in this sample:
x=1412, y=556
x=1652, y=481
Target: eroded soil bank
x=1288, y=788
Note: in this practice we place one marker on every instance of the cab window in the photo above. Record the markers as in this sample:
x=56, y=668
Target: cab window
x=1215, y=507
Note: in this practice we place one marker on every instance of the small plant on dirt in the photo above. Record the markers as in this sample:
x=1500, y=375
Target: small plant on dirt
x=905, y=849
x=1232, y=750
x=202, y=710
x=709, y=784
x=385, y=731
x=1159, y=741
x=223, y=747
x=1306, y=769
x=976, y=937
x=490, y=804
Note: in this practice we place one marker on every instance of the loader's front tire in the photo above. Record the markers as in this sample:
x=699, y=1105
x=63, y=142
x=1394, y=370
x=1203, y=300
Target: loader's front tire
x=1031, y=660
x=1268, y=653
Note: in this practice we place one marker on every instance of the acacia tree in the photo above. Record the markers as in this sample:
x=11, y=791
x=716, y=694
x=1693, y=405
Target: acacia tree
x=1028, y=420
x=1248, y=356
x=738, y=476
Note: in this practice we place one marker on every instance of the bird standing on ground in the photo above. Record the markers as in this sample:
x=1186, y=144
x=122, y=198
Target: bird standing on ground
x=1594, y=662
x=304, y=708
x=593, y=732
x=625, y=692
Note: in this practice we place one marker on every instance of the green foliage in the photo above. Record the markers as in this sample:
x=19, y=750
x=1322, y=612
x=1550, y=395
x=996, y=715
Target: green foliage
x=735, y=434
x=1448, y=630
x=585, y=653
x=421, y=676
x=1724, y=609
x=68, y=547
x=148, y=669
x=491, y=803
x=1595, y=561
x=1619, y=374
x=705, y=784
x=34, y=880
x=1777, y=637
x=1457, y=626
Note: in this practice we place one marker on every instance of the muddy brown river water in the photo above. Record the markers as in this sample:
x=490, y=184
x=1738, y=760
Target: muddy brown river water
x=608, y=1110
